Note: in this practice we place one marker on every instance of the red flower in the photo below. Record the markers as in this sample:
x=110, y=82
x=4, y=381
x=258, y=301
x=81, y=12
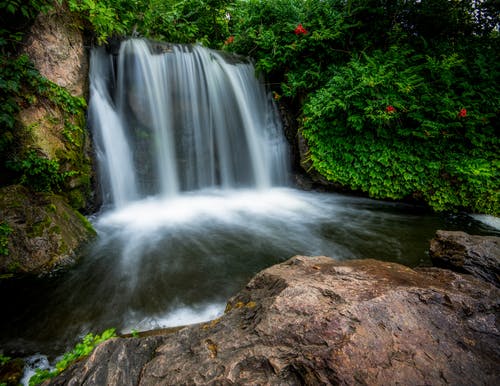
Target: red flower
x=229, y=40
x=390, y=109
x=300, y=30
x=462, y=113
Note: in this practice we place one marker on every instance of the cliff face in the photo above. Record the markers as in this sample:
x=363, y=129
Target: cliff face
x=41, y=231
x=56, y=47
x=55, y=126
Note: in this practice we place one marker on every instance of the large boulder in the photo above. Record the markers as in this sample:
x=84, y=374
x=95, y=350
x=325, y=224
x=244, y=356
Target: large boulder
x=318, y=321
x=461, y=252
x=41, y=231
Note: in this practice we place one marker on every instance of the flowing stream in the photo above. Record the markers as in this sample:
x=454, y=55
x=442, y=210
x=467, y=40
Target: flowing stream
x=196, y=197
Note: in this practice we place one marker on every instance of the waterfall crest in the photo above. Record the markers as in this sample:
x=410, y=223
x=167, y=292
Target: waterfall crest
x=175, y=118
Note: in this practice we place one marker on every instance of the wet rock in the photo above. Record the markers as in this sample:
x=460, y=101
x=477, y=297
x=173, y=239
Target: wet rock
x=317, y=321
x=461, y=252
x=44, y=232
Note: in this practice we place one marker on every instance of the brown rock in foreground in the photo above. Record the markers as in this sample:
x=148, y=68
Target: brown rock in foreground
x=317, y=321
x=461, y=252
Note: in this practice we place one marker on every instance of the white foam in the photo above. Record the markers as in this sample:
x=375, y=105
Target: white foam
x=223, y=206
x=491, y=221
x=181, y=316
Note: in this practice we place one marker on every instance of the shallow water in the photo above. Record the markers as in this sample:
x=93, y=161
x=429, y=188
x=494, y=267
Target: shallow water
x=159, y=263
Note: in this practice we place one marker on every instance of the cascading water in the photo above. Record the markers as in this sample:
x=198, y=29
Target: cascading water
x=169, y=119
x=193, y=172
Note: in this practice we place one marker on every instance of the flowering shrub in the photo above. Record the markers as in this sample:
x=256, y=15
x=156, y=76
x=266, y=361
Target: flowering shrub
x=423, y=151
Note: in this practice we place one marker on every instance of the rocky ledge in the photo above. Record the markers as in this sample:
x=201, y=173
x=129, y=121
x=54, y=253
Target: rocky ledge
x=318, y=321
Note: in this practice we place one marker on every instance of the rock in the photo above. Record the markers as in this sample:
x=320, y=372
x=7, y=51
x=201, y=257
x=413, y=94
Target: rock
x=55, y=126
x=461, y=252
x=55, y=44
x=317, y=321
x=44, y=232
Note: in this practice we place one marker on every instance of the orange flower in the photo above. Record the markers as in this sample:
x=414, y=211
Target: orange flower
x=462, y=113
x=229, y=40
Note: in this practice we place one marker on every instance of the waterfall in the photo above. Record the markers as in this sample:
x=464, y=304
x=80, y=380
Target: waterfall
x=174, y=118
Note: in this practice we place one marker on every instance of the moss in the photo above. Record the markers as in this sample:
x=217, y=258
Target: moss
x=45, y=223
x=38, y=229
x=14, y=267
x=86, y=223
x=51, y=208
x=76, y=199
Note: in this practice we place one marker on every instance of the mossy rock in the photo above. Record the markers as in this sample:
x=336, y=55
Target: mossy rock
x=45, y=231
x=11, y=372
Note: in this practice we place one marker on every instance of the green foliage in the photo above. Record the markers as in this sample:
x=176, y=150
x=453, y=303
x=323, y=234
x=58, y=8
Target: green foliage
x=22, y=85
x=80, y=351
x=436, y=142
x=4, y=359
x=13, y=73
x=265, y=30
x=178, y=21
x=15, y=17
x=39, y=173
x=5, y=231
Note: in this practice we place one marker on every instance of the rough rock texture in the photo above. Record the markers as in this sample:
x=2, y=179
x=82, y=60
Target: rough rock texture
x=45, y=231
x=317, y=321
x=56, y=47
x=461, y=252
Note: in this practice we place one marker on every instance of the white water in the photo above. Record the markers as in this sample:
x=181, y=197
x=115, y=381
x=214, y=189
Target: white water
x=171, y=119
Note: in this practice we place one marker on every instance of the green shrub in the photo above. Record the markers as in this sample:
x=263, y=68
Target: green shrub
x=39, y=173
x=397, y=123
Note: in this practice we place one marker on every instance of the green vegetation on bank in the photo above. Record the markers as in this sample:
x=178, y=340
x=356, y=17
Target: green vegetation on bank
x=398, y=99
x=81, y=350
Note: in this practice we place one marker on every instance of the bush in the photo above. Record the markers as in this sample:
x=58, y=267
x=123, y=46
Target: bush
x=398, y=123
